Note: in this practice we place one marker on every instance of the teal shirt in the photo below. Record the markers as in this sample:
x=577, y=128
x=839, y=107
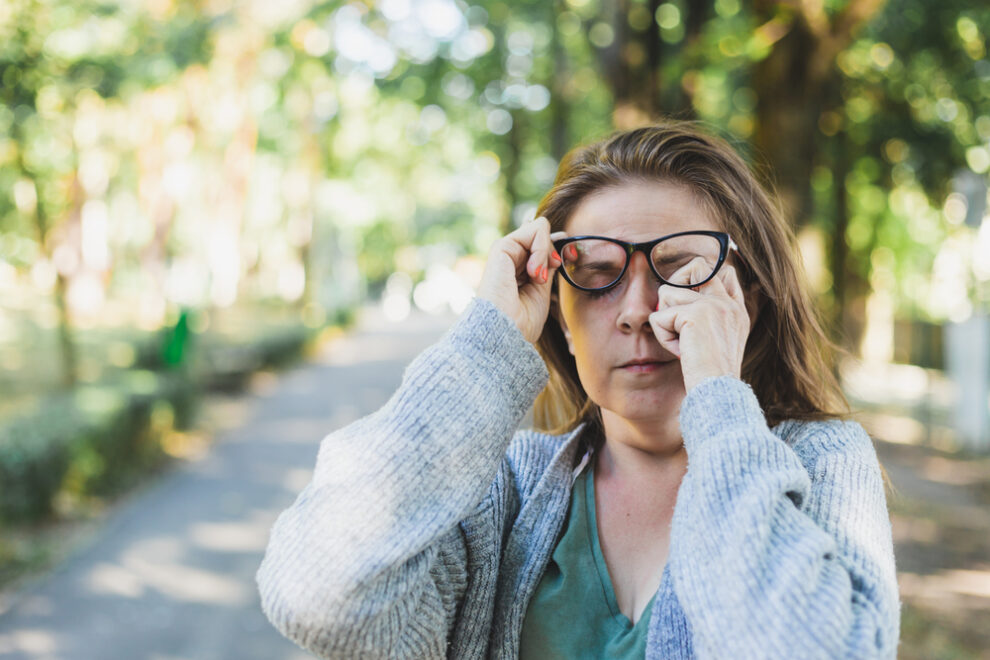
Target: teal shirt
x=574, y=613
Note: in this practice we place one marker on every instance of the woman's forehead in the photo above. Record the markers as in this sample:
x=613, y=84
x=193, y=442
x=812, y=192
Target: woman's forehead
x=640, y=211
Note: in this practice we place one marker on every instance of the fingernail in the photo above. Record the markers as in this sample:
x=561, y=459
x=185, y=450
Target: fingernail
x=556, y=256
x=544, y=275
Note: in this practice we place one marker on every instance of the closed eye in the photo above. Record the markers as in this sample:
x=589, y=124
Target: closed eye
x=674, y=259
x=599, y=266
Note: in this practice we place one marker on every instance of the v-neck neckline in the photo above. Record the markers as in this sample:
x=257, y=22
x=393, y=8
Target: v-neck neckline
x=608, y=591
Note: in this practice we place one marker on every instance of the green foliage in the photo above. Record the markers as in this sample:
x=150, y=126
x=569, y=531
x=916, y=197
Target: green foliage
x=226, y=362
x=53, y=56
x=92, y=442
x=915, y=93
x=100, y=439
x=34, y=457
x=389, y=133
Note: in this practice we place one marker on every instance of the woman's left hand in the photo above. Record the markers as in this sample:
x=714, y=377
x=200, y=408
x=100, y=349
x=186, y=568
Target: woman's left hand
x=705, y=327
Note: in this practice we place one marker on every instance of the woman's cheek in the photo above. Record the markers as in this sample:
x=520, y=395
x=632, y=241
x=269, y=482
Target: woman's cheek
x=592, y=372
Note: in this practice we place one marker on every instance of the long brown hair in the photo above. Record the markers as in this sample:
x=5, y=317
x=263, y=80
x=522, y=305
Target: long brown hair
x=787, y=356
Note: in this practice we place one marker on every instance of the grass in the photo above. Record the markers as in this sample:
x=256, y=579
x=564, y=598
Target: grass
x=941, y=524
x=927, y=636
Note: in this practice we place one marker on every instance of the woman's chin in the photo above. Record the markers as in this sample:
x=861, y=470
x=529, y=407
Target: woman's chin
x=655, y=404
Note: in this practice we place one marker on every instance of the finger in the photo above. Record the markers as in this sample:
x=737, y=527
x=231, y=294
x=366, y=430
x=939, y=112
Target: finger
x=513, y=254
x=527, y=232
x=668, y=296
x=714, y=286
x=693, y=271
x=730, y=279
x=664, y=324
x=520, y=245
x=543, y=257
x=673, y=318
x=556, y=259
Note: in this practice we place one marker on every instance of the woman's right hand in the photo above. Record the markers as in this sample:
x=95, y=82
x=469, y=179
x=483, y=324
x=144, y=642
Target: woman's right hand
x=519, y=274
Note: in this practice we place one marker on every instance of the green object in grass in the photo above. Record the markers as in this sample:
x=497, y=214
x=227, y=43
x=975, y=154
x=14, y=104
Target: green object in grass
x=176, y=341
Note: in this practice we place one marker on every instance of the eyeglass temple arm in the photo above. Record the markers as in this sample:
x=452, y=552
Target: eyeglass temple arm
x=739, y=254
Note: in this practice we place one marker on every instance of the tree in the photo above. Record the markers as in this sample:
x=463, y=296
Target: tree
x=791, y=84
x=50, y=62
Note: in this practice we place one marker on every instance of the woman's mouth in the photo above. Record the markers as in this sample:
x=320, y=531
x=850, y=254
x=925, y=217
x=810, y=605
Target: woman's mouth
x=643, y=366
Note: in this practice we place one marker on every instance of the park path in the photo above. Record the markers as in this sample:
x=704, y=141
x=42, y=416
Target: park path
x=170, y=575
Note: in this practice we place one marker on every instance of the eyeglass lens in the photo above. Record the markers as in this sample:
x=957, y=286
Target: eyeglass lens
x=595, y=263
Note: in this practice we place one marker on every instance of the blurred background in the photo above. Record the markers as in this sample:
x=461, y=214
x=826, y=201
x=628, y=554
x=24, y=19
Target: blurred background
x=195, y=190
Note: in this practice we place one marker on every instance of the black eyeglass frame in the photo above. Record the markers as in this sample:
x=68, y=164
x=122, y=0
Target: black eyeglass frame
x=646, y=248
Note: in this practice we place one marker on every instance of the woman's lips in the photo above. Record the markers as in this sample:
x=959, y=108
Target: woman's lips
x=644, y=366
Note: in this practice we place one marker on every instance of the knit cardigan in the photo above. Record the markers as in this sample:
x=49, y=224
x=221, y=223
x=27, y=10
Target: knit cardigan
x=428, y=524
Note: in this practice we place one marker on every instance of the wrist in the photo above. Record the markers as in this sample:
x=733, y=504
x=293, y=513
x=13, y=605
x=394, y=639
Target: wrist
x=716, y=405
x=694, y=377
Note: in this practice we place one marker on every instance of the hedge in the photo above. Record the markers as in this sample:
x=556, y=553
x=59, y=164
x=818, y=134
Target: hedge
x=98, y=439
x=94, y=440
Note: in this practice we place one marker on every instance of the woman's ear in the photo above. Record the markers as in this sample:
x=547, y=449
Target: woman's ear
x=559, y=318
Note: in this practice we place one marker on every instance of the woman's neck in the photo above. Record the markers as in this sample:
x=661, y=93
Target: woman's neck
x=638, y=454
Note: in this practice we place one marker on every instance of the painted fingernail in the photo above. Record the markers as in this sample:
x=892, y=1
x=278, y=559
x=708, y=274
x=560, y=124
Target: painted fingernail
x=556, y=256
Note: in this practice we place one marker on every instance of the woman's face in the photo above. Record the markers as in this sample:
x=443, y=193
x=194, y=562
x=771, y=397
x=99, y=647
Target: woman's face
x=621, y=364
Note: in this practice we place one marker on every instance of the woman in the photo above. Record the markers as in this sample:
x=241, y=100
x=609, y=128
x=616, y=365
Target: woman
x=702, y=498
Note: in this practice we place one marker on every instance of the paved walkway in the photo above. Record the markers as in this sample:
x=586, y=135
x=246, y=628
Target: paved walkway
x=171, y=574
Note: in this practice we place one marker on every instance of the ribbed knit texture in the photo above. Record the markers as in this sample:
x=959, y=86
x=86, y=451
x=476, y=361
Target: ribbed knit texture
x=428, y=524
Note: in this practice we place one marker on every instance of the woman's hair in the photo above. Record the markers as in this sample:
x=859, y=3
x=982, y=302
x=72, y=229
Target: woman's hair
x=787, y=356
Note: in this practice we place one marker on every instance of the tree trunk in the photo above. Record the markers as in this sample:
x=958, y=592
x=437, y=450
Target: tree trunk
x=789, y=103
x=68, y=367
x=66, y=335
x=677, y=99
x=631, y=65
x=790, y=84
x=510, y=169
x=841, y=327
x=559, y=124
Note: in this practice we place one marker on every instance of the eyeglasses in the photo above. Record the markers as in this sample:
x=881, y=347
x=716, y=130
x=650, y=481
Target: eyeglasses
x=596, y=263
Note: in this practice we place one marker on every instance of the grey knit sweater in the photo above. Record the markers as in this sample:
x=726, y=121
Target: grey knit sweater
x=428, y=524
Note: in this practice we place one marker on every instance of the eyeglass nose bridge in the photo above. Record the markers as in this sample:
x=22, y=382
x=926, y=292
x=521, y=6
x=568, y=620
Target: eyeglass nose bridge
x=647, y=250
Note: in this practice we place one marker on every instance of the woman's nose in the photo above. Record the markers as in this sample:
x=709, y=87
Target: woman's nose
x=639, y=295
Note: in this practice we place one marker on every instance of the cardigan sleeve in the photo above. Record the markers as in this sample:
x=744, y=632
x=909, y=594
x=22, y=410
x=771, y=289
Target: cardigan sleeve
x=781, y=549
x=370, y=559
